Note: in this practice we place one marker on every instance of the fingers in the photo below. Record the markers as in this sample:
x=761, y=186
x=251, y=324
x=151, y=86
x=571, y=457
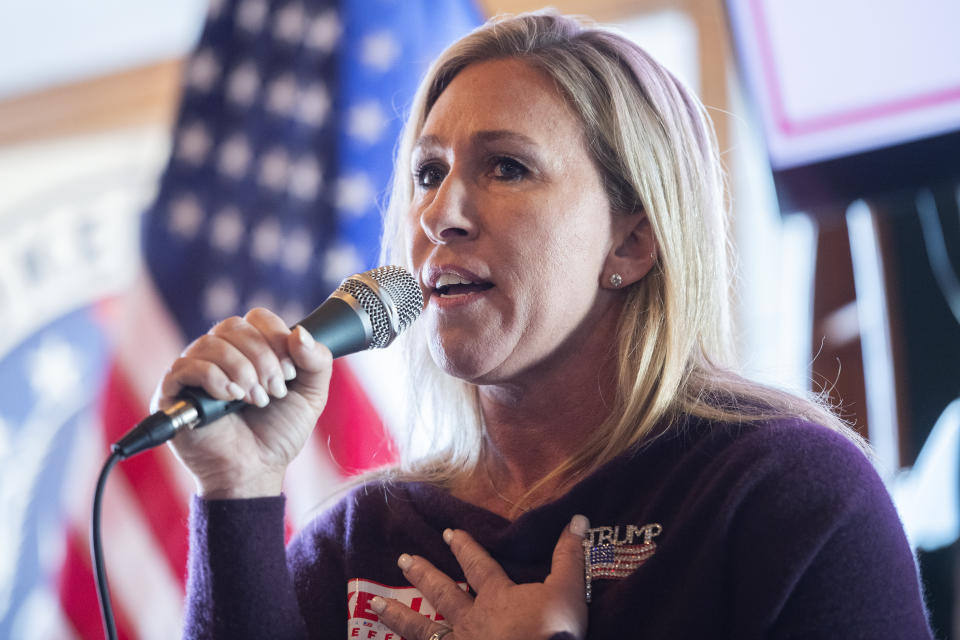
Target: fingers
x=405, y=621
x=314, y=365
x=566, y=569
x=232, y=379
x=444, y=594
x=528, y=610
x=260, y=336
x=250, y=358
x=479, y=568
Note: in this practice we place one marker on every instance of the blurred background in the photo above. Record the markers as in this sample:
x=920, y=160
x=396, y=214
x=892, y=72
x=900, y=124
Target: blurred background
x=164, y=165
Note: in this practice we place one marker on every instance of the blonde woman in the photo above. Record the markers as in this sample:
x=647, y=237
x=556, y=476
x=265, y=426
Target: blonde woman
x=600, y=470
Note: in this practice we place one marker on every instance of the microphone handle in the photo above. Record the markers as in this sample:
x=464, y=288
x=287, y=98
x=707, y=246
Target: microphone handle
x=339, y=323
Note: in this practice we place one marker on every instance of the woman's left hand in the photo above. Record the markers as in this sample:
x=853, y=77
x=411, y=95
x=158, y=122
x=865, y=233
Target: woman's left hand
x=501, y=609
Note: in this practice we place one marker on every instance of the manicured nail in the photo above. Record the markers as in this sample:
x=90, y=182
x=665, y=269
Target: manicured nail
x=579, y=525
x=378, y=604
x=288, y=368
x=448, y=535
x=277, y=388
x=236, y=391
x=404, y=562
x=259, y=396
x=304, y=337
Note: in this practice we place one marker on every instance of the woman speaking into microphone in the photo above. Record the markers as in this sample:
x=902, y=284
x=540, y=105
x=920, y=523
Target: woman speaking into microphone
x=600, y=469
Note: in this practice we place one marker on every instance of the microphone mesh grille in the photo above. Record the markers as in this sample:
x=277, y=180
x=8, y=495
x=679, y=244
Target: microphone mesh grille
x=400, y=289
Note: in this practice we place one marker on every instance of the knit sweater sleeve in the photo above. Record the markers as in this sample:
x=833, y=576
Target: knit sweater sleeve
x=819, y=551
x=239, y=585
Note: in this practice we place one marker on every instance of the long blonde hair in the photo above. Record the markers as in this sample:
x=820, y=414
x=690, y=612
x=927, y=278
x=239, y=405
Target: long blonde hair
x=654, y=144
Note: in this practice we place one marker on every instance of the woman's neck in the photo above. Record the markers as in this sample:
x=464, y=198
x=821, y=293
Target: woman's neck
x=534, y=425
x=530, y=431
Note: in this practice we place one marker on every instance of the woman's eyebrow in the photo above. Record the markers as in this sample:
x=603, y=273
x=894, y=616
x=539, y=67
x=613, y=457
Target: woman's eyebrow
x=503, y=134
x=427, y=141
x=494, y=135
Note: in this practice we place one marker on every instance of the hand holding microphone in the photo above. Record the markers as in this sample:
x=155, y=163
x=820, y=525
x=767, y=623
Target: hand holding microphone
x=280, y=375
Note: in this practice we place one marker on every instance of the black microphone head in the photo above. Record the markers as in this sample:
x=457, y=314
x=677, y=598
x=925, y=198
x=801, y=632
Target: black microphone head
x=391, y=298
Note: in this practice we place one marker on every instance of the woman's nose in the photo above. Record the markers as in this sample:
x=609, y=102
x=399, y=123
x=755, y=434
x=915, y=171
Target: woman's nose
x=447, y=217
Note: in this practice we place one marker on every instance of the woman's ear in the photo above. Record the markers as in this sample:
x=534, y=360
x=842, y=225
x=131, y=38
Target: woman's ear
x=633, y=252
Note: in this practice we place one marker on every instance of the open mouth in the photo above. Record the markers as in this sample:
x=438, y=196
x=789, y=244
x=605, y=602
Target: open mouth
x=451, y=285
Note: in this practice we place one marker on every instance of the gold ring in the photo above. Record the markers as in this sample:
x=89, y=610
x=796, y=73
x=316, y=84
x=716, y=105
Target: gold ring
x=439, y=634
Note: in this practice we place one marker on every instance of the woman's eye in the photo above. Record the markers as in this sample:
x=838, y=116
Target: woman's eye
x=429, y=175
x=508, y=169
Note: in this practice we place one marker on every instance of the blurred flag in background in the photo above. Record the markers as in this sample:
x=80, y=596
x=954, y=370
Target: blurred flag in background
x=280, y=157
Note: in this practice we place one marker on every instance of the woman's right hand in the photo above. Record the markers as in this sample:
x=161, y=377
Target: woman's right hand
x=286, y=376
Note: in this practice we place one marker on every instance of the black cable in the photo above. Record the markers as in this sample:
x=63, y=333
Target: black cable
x=96, y=551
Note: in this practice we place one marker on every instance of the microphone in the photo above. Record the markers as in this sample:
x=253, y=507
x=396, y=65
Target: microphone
x=367, y=311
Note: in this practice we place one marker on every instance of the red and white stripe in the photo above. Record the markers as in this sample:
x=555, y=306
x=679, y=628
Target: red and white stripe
x=627, y=558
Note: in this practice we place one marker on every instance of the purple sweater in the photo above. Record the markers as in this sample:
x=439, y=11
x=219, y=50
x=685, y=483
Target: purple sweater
x=779, y=530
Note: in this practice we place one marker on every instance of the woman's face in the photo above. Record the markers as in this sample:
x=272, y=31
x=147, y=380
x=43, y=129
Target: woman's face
x=510, y=227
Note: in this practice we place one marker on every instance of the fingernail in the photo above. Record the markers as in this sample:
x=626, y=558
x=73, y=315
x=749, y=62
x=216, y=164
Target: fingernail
x=277, y=388
x=304, y=337
x=378, y=604
x=236, y=391
x=259, y=396
x=404, y=562
x=579, y=525
x=447, y=536
x=288, y=368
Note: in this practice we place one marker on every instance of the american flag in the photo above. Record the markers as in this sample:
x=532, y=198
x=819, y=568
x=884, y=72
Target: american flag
x=280, y=156
x=617, y=560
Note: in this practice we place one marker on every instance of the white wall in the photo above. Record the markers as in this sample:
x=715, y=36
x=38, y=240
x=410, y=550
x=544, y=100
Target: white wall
x=49, y=42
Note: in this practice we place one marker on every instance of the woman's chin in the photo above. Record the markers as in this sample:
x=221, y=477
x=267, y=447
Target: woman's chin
x=462, y=362
x=465, y=369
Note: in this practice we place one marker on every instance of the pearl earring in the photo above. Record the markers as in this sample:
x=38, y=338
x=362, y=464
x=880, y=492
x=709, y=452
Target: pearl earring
x=615, y=280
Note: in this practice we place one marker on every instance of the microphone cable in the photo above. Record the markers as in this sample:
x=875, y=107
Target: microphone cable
x=96, y=551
